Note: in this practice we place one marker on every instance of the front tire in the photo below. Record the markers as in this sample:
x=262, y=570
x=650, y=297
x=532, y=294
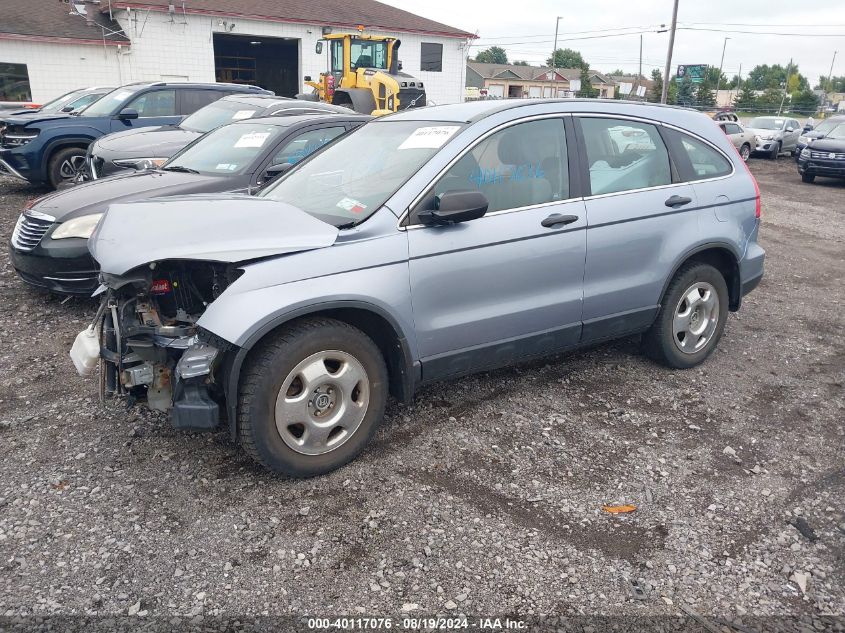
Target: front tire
x=775, y=151
x=311, y=397
x=808, y=178
x=65, y=165
x=691, y=318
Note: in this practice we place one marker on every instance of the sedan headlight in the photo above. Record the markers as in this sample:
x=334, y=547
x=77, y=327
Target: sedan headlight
x=141, y=163
x=767, y=137
x=18, y=140
x=806, y=140
x=82, y=227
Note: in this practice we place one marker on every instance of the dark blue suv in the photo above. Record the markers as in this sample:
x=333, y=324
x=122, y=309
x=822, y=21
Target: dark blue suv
x=50, y=149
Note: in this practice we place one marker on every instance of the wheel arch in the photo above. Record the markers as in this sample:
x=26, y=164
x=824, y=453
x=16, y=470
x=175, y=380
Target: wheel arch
x=381, y=327
x=723, y=258
x=361, y=98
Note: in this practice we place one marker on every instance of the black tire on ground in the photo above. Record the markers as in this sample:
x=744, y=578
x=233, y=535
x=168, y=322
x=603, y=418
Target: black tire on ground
x=808, y=178
x=745, y=152
x=775, y=151
x=267, y=368
x=659, y=340
x=61, y=163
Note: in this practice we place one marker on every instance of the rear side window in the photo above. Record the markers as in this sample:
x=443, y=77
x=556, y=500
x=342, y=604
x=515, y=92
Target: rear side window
x=698, y=160
x=306, y=144
x=733, y=128
x=520, y=166
x=193, y=100
x=624, y=155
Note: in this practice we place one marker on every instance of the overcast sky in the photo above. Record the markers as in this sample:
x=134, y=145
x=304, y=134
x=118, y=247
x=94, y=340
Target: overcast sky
x=525, y=28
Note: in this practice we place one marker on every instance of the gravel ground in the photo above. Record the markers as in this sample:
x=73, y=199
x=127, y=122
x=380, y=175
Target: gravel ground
x=484, y=497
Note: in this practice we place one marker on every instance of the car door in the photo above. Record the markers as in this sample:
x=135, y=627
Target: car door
x=154, y=107
x=507, y=285
x=637, y=214
x=791, y=138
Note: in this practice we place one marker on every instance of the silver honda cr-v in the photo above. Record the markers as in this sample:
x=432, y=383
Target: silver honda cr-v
x=425, y=245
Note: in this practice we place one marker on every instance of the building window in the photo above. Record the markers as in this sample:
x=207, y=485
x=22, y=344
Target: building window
x=431, y=57
x=14, y=83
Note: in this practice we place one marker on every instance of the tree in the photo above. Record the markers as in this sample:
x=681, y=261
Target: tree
x=686, y=93
x=770, y=100
x=746, y=99
x=657, y=89
x=714, y=76
x=520, y=62
x=734, y=83
x=618, y=71
x=587, y=89
x=836, y=84
x=492, y=55
x=567, y=58
x=704, y=95
x=764, y=77
x=805, y=102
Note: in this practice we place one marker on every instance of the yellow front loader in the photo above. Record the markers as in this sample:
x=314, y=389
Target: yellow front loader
x=364, y=74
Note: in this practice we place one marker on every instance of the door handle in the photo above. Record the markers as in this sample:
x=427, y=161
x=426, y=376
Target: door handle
x=556, y=218
x=677, y=201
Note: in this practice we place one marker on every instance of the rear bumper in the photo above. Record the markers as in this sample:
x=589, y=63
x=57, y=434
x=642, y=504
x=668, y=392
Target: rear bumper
x=62, y=266
x=751, y=267
x=820, y=167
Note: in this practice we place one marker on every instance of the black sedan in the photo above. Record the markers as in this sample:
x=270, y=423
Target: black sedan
x=825, y=156
x=49, y=246
x=152, y=146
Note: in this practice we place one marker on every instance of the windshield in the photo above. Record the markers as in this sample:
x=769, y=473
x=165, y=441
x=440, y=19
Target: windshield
x=226, y=151
x=837, y=132
x=366, y=54
x=762, y=123
x=826, y=126
x=349, y=180
x=108, y=104
x=57, y=104
x=217, y=114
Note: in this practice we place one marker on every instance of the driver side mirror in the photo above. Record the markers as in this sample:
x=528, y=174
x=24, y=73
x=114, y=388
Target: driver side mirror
x=128, y=113
x=808, y=128
x=453, y=207
x=274, y=171
x=67, y=108
x=790, y=129
x=319, y=47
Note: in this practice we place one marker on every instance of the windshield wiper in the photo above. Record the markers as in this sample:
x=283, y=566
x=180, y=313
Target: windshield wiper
x=180, y=168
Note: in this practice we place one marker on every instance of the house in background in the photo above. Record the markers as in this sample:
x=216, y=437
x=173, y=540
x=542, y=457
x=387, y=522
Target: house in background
x=628, y=86
x=511, y=81
x=50, y=47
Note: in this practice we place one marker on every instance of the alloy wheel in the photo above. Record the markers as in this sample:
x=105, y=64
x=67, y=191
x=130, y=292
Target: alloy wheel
x=696, y=318
x=72, y=167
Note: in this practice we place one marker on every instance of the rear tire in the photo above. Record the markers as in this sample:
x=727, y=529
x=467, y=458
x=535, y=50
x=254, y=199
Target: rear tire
x=808, y=178
x=65, y=165
x=311, y=397
x=691, y=319
x=745, y=152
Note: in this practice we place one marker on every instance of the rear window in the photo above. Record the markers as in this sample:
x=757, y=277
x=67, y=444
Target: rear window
x=697, y=160
x=219, y=113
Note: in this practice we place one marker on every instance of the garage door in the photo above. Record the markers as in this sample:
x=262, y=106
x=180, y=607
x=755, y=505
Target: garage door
x=535, y=92
x=496, y=91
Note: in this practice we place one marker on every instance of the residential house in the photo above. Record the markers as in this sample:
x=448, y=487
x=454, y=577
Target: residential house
x=512, y=81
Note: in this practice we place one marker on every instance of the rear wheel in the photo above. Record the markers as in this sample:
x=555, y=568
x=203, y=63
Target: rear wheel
x=808, y=177
x=691, y=319
x=745, y=152
x=65, y=166
x=311, y=397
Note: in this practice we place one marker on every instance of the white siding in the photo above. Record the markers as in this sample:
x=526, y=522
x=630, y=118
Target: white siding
x=182, y=47
x=55, y=69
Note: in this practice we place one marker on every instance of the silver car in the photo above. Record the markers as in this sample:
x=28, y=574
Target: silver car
x=423, y=246
x=775, y=134
x=744, y=141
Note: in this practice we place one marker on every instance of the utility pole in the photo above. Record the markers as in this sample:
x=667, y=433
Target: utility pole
x=669, y=53
x=721, y=65
x=554, y=60
x=830, y=74
x=640, y=72
x=785, y=86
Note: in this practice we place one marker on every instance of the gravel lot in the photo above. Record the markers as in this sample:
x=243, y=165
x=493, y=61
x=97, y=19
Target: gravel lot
x=484, y=497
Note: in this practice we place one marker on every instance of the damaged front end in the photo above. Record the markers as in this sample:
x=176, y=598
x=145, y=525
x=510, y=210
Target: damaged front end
x=149, y=346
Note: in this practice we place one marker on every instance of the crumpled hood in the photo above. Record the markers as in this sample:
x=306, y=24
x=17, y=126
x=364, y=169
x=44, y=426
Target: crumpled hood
x=837, y=146
x=231, y=228
x=761, y=132
x=36, y=117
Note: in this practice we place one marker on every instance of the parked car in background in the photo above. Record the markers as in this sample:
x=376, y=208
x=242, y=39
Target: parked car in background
x=50, y=148
x=424, y=245
x=726, y=115
x=775, y=134
x=744, y=141
x=824, y=156
x=72, y=101
x=49, y=247
x=152, y=146
x=819, y=131
x=9, y=107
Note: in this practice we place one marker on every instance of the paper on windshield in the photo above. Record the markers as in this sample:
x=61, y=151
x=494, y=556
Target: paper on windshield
x=242, y=114
x=350, y=204
x=252, y=139
x=429, y=137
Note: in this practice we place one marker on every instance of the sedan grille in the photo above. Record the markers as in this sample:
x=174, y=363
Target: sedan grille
x=827, y=155
x=29, y=231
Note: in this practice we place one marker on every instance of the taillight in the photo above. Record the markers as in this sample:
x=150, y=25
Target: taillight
x=160, y=287
x=759, y=207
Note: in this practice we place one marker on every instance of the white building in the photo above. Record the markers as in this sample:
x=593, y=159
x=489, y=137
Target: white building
x=62, y=45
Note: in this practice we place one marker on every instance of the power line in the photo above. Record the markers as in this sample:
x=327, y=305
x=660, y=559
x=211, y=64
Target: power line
x=692, y=28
